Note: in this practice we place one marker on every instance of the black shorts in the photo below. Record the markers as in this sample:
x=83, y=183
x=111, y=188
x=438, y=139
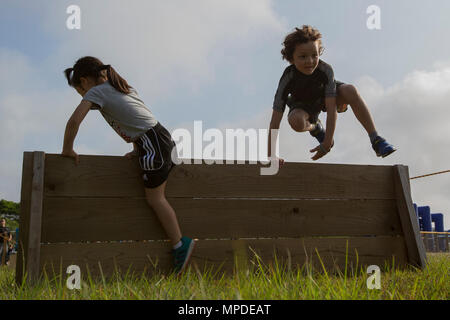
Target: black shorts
x=155, y=155
x=313, y=108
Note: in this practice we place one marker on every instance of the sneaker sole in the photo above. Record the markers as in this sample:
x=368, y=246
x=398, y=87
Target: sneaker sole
x=191, y=248
x=386, y=154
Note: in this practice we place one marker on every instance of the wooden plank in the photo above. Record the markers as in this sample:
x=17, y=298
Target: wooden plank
x=103, y=219
x=414, y=244
x=221, y=255
x=115, y=176
x=34, y=233
x=25, y=197
x=107, y=176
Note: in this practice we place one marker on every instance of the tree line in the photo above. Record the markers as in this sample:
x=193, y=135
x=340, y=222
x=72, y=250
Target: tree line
x=10, y=211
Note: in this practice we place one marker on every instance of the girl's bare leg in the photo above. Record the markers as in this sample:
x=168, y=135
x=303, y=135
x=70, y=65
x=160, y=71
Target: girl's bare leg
x=157, y=200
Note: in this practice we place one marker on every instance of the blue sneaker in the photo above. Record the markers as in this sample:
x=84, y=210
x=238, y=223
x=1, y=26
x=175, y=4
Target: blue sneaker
x=182, y=254
x=381, y=147
x=318, y=132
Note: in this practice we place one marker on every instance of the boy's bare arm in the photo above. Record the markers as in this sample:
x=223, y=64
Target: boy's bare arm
x=325, y=146
x=274, y=124
x=330, y=104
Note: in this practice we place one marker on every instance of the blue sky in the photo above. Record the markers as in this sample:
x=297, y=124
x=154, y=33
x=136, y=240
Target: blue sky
x=219, y=62
x=409, y=28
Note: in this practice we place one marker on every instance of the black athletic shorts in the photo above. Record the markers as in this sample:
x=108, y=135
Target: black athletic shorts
x=155, y=155
x=312, y=108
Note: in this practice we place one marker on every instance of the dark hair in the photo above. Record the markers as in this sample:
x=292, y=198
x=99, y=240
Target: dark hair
x=299, y=36
x=93, y=67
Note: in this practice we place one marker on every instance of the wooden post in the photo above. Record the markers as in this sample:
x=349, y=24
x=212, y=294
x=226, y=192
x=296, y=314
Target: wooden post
x=427, y=243
x=414, y=243
x=436, y=239
x=34, y=231
x=422, y=236
x=446, y=242
x=25, y=194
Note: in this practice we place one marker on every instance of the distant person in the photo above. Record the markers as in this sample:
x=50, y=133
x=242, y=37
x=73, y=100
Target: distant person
x=5, y=236
x=103, y=89
x=308, y=87
x=16, y=246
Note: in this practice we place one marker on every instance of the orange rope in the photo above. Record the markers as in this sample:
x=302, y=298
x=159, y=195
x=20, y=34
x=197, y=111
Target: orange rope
x=433, y=232
x=430, y=174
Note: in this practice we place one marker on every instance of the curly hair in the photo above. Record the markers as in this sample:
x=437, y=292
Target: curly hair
x=299, y=36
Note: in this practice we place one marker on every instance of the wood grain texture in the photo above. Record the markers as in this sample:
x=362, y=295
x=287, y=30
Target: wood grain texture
x=306, y=206
x=24, y=220
x=107, y=176
x=103, y=219
x=408, y=219
x=35, y=220
x=222, y=255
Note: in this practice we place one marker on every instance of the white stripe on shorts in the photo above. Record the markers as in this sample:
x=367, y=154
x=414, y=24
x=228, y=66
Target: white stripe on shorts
x=159, y=148
x=150, y=154
x=148, y=149
x=147, y=161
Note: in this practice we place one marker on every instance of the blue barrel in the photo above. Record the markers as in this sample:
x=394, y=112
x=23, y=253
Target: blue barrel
x=438, y=219
x=425, y=217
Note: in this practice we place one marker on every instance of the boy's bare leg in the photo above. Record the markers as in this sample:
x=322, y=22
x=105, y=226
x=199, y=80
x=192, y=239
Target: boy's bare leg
x=299, y=121
x=348, y=94
x=157, y=200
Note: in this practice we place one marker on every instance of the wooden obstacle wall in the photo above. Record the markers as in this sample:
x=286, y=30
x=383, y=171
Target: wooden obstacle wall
x=96, y=214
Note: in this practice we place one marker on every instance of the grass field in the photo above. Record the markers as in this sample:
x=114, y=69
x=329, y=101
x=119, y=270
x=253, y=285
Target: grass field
x=263, y=283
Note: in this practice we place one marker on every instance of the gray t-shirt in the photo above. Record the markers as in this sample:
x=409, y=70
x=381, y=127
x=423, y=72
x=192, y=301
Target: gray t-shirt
x=125, y=113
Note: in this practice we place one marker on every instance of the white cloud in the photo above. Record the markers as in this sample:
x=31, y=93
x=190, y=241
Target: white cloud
x=164, y=47
x=168, y=47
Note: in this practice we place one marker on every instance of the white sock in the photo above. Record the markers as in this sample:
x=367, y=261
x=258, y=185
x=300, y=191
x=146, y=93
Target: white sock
x=179, y=244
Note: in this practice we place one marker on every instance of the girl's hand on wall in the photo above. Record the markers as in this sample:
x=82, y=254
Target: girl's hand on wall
x=131, y=155
x=71, y=154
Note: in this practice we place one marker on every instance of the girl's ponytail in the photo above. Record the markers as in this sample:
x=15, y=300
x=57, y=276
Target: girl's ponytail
x=119, y=83
x=67, y=72
x=93, y=67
